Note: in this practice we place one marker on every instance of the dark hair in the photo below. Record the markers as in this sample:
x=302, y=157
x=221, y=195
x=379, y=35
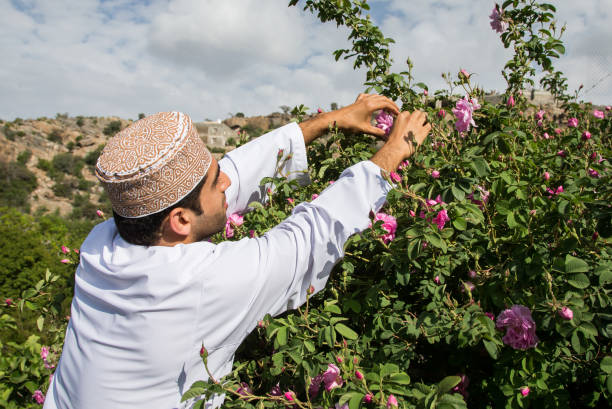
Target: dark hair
x=146, y=231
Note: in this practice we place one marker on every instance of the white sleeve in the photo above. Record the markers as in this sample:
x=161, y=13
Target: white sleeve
x=250, y=163
x=271, y=274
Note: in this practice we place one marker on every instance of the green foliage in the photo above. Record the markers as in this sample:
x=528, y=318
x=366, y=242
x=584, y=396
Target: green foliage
x=56, y=136
x=17, y=182
x=24, y=157
x=80, y=121
x=112, y=128
x=141, y=115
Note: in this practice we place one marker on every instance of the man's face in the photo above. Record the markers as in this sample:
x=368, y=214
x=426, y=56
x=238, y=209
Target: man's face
x=213, y=204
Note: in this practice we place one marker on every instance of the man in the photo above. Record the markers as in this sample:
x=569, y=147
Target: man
x=149, y=292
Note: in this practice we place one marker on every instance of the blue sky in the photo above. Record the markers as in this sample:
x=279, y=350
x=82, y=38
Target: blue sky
x=210, y=58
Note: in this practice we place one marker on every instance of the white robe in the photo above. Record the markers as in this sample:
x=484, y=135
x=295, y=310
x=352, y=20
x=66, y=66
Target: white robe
x=140, y=314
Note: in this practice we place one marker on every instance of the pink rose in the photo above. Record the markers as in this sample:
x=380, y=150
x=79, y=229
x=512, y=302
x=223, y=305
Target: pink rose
x=44, y=353
x=332, y=378
x=65, y=250
x=561, y=153
x=464, y=73
x=490, y=315
x=389, y=225
x=566, y=313
x=367, y=398
x=586, y=135
x=463, y=111
x=384, y=121
x=412, y=213
x=65, y=261
x=471, y=274
x=608, y=108
x=520, y=327
x=497, y=22
x=290, y=200
x=8, y=302
x=462, y=386
x=395, y=177
x=593, y=173
x=598, y=114
x=425, y=92
x=251, y=233
x=100, y=213
x=572, y=122
x=314, y=196
x=236, y=220
x=289, y=395
x=319, y=110
x=557, y=131
x=546, y=135
x=358, y=375
x=38, y=397
x=229, y=231
x=546, y=175
x=540, y=123
x=540, y=115
x=315, y=386
x=441, y=113
x=532, y=212
x=510, y=103
x=525, y=391
x=392, y=402
x=435, y=174
x=441, y=219
x=437, y=279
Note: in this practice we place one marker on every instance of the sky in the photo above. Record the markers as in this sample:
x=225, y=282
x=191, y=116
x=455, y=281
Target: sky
x=214, y=58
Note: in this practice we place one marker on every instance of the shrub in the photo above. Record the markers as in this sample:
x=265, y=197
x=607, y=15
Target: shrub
x=80, y=121
x=17, y=184
x=24, y=157
x=112, y=128
x=56, y=136
x=67, y=163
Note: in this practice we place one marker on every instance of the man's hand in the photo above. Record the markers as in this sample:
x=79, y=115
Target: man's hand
x=353, y=118
x=408, y=133
x=357, y=117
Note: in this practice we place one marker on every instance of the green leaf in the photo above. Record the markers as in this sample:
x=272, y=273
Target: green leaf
x=447, y=384
x=575, y=265
x=458, y=193
x=346, y=332
x=491, y=348
x=480, y=166
x=511, y=220
x=459, y=223
x=39, y=322
x=579, y=281
x=400, y=378
x=309, y=346
x=576, y=343
x=281, y=336
x=195, y=391
x=609, y=384
x=436, y=241
x=606, y=364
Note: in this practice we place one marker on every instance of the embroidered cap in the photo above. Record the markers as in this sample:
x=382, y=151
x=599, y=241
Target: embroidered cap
x=152, y=164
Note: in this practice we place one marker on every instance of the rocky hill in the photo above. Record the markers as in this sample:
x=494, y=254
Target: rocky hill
x=61, y=152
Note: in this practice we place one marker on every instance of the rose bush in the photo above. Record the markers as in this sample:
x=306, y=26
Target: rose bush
x=485, y=280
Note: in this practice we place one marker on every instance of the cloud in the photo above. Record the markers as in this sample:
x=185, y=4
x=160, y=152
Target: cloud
x=211, y=57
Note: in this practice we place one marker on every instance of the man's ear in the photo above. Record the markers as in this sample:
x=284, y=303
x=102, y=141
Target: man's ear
x=179, y=222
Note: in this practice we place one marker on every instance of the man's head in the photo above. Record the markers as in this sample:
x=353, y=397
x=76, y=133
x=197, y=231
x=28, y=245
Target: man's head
x=164, y=185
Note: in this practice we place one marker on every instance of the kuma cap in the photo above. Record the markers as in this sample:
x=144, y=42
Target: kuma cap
x=152, y=164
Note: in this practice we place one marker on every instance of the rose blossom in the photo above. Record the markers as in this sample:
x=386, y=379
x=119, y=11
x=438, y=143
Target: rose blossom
x=593, y=173
x=38, y=397
x=100, y=213
x=496, y=22
x=472, y=274
x=65, y=261
x=561, y=153
x=391, y=402
x=395, y=177
x=540, y=114
x=332, y=378
x=289, y=395
x=598, y=114
x=546, y=135
x=525, y=391
x=435, y=174
x=44, y=353
x=315, y=386
x=358, y=375
x=314, y=196
x=572, y=122
x=464, y=72
x=389, y=225
x=412, y=213
x=520, y=327
x=290, y=200
x=608, y=108
x=441, y=113
x=586, y=135
x=557, y=131
x=510, y=102
x=244, y=389
x=8, y=302
x=229, y=231
x=384, y=121
x=546, y=175
x=464, y=109
x=65, y=250
x=437, y=279
x=367, y=398
x=441, y=219
x=490, y=315
x=566, y=313
x=236, y=220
